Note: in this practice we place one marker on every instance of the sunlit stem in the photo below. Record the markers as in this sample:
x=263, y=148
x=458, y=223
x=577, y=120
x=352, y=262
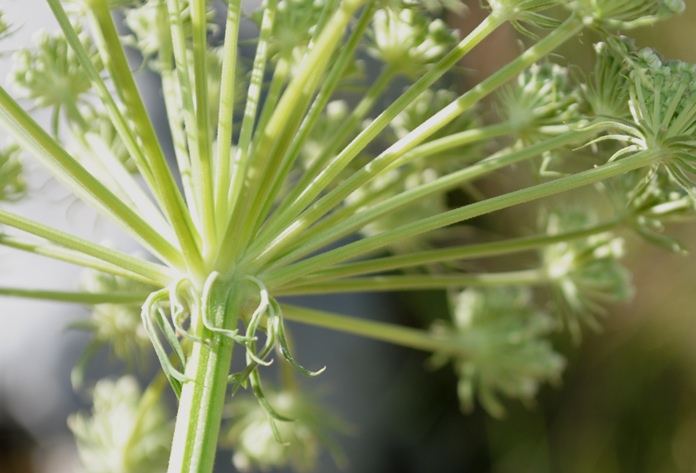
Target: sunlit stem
x=226, y=111
x=466, y=252
x=202, y=398
x=324, y=205
x=173, y=204
x=334, y=168
x=276, y=136
x=417, y=282
x=385, y=332
x=75, y=257
x=381, y=240
x=77, y=297
x=332, y=229
x=205, y=183
x=238, y=192
x=345, y=56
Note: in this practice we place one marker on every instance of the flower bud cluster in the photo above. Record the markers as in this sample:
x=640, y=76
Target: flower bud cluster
x=504, y=349
x=13, y=185
x=260, y=442
x=585, y=274
x=624, y=14
x=663, y=99
x=50, y=73
x=118, y=325
x=121, y=435
x=542, y=102
x=295, y=24
x=4, y=26
x=407, y=41
x=607, y=93
x=524, y=13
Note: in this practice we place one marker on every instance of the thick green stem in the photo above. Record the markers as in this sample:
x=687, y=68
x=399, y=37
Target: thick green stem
x=238, y=186
x=207, y=368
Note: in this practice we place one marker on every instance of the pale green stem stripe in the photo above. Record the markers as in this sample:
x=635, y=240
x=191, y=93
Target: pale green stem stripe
x=382, y=331
x=228, y=88
x=325, y=93
x=332, y=230
x=70, y=256
x=434, y=256
x=455, y=140
x=173, y=204
x=182, y=100
x=275, y=137
x=148, y=270
x=334, y=168
x=205, y=184
x=430, y=126
x=352, y=121
x=416, y=282
x=117, y=118
x=237, y=196
x=203, y=397
x=347, y=210
x=176, y=127
x=172, y=102
x=281, y=72
x=76, y=297
x=353, y=250
x=76, y=178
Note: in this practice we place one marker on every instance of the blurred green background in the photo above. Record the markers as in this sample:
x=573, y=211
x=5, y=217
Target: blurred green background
x=627, y=402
